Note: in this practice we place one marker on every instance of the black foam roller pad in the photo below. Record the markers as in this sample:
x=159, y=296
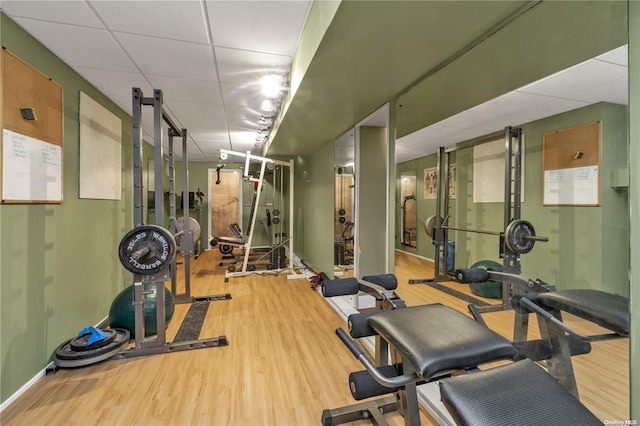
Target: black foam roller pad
x=388, y=281
x=364, y=386
x=359, y=325
x=343, y=287
x=474, y=275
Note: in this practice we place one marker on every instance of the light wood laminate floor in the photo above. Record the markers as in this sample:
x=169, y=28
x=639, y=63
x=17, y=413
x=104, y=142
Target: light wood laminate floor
x=283, y=366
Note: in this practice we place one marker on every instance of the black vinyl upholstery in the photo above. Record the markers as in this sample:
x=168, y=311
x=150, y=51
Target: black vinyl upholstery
x=605, y=309
x=516, y=394
x=436, y=338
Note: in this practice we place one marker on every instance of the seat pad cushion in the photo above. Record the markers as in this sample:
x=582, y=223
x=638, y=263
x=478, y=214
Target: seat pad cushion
x=435, y=338
x=605, y=309
x=514, y=394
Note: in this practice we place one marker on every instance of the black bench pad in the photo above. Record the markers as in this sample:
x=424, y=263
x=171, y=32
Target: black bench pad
x=605, y=309
x=515, y=394
x=230, y=240
x=435, y=338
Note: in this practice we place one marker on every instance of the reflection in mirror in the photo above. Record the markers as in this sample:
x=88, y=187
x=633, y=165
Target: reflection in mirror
x=408, y=217
x=344, y=202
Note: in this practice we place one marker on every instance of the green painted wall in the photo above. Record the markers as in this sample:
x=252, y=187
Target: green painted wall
x=313, y=209
x=59, y=270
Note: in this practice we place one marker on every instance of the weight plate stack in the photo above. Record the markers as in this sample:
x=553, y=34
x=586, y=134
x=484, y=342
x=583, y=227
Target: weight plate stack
x=67, y=357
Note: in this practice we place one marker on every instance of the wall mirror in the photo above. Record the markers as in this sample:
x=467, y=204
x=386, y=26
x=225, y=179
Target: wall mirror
x=344, y=211
x=408, y=211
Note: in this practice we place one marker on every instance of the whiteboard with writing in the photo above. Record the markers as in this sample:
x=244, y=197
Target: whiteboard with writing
x=31, y=169
x=574, y=186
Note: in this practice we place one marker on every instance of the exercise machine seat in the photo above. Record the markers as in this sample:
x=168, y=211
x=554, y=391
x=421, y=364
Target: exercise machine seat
x=516, y=394
x=605, y=309
x=436, y=338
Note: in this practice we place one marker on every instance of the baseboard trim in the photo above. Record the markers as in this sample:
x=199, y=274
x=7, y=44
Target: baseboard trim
x=38, y=376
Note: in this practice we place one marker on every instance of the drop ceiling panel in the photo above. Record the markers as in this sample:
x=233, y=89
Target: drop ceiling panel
x=116, y=83
x=178, y=20
x=617, y=56
x=247, y=68
x=260, y=26
x=169, y=57
x=510, y=103
x=72, y=44
x=616, y=92
x=186, y=90
x=242, y=96
x=575, y=79
x=66, y=12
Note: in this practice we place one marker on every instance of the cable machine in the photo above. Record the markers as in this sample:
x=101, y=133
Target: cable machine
x=281, y=240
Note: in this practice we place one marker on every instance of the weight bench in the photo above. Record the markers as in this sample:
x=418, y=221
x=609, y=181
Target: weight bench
x=430, y=342
x=558, y=341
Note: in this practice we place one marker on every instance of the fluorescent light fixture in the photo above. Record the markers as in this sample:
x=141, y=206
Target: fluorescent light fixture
x=266, y=105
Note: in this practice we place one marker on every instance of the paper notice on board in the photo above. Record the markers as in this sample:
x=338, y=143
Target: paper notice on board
x=576, y=186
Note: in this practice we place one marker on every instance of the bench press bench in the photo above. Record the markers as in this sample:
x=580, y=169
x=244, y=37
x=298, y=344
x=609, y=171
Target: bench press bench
x=429, y=342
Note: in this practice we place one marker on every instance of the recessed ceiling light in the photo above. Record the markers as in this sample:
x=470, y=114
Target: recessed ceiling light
x=271, y=86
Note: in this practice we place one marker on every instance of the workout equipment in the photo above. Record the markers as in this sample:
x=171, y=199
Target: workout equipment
x=490, y=289
x=147, y=250
x=275, y=254
x=122, y=311
x=431, y=341
x=138, y=250
x=79, y=352
x=558, y=342
x=519, y=235
x=406, y=234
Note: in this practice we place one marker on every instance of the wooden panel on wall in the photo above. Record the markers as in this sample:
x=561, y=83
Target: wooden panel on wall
x=32, y=153
x=225, y=202
x=571, y=166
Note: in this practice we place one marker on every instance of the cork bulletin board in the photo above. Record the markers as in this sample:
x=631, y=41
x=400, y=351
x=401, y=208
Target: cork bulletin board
x=32, y=141
x=571, y=166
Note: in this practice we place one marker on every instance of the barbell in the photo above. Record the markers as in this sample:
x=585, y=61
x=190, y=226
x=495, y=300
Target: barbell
x=520, y=235
x=147, y=249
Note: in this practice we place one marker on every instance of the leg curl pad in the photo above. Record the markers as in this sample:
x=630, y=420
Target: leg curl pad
x=343, y=287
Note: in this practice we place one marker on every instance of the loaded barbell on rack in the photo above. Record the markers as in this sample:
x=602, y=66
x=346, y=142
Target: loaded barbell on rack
x=520, y=235
x=147, y=249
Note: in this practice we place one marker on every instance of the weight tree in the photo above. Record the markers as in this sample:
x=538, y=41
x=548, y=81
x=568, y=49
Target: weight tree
x=518, y=236
x=148, y=251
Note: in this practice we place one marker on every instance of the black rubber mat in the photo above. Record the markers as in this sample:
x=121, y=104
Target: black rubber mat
x=192, y=324
x=458, y=294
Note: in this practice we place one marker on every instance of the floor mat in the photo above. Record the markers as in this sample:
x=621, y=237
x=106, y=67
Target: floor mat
x=192, y=324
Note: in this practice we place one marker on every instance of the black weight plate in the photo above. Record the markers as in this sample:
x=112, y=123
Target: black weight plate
x=225, y=248
x=251, y=267
x=276, y=212
x=342, y=212
x=231, y=268
x=342, y=219
x=160, y=246
x=275, y=220
x=65, y=357
x=79, y=344
x=516, y=236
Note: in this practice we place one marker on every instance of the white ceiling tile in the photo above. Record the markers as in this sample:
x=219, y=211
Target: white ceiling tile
x=169, y=57
x=178, y=20
x=243, y=119
x=65, y=12
x=576, y=79
x=616, y=92
x=616, y=56
x=116, y=83
x=186, y=90
x=510, y=102
x=260, y=26
x=246, y=68
x=552, y=108
x=243, y=96
x=72, y=44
